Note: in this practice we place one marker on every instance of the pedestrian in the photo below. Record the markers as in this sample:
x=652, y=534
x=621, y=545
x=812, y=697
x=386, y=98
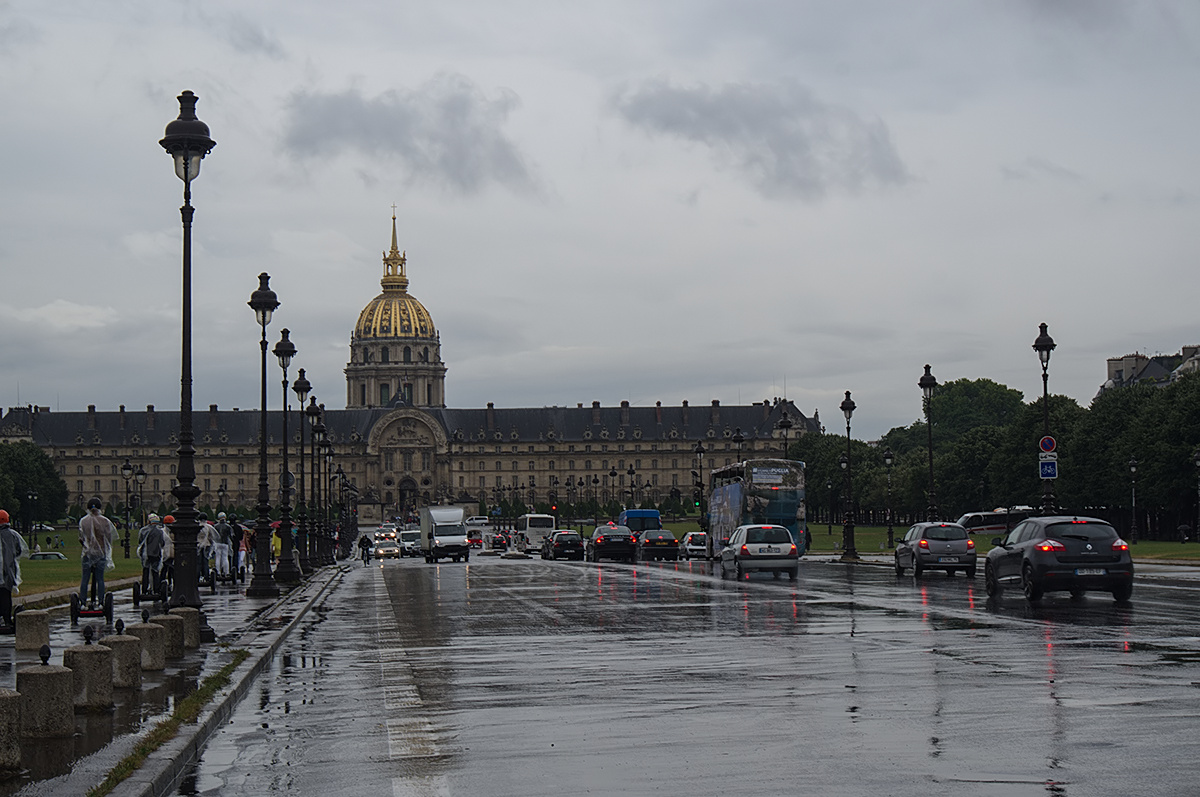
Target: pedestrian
x=167, y=573
x=221, y=546
x=1184, y=531
x=152, y=538
x=807, y=540
x=12, y=548
x=206, y=540
x=96, y=534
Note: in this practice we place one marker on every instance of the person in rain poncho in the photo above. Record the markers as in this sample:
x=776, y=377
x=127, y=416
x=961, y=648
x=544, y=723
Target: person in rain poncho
x=96, y=534
x=12, y=548
x=152, y=538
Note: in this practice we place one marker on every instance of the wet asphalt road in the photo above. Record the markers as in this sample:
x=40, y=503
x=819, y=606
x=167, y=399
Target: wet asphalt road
x=510, y=677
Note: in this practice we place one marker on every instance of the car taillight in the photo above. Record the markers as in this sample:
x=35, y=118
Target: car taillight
x=1120, y=545
x=793, y=548
x=970, y=544
x=923, y=544
x=745, y=550
x=1050, y=545
x=598, y=540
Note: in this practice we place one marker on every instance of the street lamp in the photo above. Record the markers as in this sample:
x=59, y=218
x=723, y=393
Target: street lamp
x=126, y=474
x=313, y=413
x=1133, y=465
x=928, y=383
x=187, y=141
x=829, y=490
x=888, y=460
x=738, y=438
x=848, y=549
x=785, y=423
x=32, y=496
x=632, y=487
x=139, y=476
x=262, y=585
x=301, y=387
x=1043, y=346
x=285, y=571
x=330, y=526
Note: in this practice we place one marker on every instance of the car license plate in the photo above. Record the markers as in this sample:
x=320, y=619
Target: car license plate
x=662, y=542
x=770, y=549
x=1091, y=571
x=948, y=560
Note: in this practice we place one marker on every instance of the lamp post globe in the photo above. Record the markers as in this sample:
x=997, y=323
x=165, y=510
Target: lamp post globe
x=848, y=550
x=187, y=141
x=738, y=438
x=263, y=302
x=1043, y=345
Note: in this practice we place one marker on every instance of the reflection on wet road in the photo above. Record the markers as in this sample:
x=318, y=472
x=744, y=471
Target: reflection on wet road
x=530, y=677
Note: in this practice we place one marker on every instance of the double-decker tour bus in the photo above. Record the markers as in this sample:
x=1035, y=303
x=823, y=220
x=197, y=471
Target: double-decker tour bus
x=756, y=491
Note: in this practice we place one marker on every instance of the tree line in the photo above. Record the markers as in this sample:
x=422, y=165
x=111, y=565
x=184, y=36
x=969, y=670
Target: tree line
x=985, y=455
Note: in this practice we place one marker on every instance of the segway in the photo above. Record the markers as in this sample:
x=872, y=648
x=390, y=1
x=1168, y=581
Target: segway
x=92, y=609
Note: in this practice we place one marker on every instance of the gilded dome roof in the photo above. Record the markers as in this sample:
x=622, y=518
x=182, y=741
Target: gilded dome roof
x=395, y=313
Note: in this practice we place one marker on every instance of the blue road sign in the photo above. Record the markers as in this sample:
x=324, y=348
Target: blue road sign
x=1047, y=444
x=1049, y=470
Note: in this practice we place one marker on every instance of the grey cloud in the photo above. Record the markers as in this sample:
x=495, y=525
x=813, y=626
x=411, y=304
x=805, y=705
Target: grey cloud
x=251, y=38
x=446, y=131
x=1033, y=168
x=783, y=140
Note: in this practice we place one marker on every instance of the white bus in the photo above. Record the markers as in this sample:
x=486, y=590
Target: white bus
x=530, y=529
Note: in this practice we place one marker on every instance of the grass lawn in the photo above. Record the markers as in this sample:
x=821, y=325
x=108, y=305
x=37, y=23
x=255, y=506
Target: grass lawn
x=51, y=574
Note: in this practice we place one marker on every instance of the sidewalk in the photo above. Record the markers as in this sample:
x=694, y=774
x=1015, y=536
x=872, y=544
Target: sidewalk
x=72, y=766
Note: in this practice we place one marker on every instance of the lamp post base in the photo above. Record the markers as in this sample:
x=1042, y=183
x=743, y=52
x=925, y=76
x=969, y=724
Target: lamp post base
x=849, y=552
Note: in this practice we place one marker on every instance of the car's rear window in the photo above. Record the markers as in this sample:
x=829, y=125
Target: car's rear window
x=945, y=533
x=697, y=538
x=768, y=535
x=1082, y=529
x=566, y=538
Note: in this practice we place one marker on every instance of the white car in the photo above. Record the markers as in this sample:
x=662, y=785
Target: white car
x=694, y=543
x=760, y=547
x=478, y=520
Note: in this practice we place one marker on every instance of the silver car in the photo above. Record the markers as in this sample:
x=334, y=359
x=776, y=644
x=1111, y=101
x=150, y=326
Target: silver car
x=760, y=547
x=936, y=546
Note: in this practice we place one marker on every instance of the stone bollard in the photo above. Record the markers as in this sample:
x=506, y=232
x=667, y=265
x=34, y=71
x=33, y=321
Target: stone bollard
x=126, y=660
x=153, y=637
x=47, y=699
x=91, y=672
x=33, y=629
x=10, y=729
x=172, y=634
x=191, y=625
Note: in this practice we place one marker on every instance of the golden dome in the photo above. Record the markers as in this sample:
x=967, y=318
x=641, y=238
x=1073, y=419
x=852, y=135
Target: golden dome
x=395, y=313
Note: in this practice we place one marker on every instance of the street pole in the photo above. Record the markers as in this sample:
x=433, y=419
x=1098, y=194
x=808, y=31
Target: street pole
x=849, y=552
x=301, y=388
x=928, y=383
x=888, y=459
x=1133, y=532
x=262, y=585
x=1043, y=345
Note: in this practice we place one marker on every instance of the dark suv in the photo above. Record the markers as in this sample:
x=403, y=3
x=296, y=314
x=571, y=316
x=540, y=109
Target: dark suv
x=1060, y=554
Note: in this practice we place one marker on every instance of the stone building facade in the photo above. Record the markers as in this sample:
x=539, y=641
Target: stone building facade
x=398, y=443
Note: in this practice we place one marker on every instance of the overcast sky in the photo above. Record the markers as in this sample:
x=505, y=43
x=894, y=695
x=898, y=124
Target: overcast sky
x=642, y=201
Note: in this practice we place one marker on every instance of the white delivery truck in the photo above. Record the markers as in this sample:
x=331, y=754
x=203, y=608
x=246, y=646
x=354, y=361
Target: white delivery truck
x=444, y=533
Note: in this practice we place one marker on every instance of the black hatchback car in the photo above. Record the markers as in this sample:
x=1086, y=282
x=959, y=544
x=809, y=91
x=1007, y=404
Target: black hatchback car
x=611, y=542
x=1060, y=553
x=562, y=545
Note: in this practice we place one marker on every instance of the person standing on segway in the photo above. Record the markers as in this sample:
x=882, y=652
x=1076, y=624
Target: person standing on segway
x=96, y=535
x=221, y=546
x=151, y=539
x=12, y=548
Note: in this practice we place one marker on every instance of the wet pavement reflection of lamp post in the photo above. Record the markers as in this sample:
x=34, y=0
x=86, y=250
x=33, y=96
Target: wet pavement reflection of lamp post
x=888, y=460
x=285, y=570
x=1043, y=345
x=301, y=387
x=848, y=549
x=262, y=585
x=928, y=383
x=187, y=141
x=1133, y=465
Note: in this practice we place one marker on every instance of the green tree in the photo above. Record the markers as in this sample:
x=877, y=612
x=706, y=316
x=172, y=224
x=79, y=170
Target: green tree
x=24, y=466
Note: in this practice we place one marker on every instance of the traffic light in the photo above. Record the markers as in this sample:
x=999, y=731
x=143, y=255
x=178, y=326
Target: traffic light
x=696, y=498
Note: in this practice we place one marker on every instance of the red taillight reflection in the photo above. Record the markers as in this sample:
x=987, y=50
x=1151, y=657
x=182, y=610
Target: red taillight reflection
x=1050, y=545
x=1120, y=545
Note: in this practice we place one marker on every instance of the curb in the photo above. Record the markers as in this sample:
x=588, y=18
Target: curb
x=164, y=769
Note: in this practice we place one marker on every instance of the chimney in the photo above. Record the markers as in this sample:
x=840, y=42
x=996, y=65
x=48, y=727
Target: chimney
x=595, y=413
x=624, y=413
x=685, y=412
x=149, y=417
x=121, y=415
x=212, y=417
x=91, y=416
x=658, y=412
x=716, y=412
x=766, y=405
x=491, y=416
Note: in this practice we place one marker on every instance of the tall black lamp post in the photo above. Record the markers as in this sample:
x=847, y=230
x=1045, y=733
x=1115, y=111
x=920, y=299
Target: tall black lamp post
x=126, y=474
x=262, y=585
x=1043, y=346
x=139, y=477
x=301, y=387
x=1133, y=465
x=1196, y=462
x=286, y=571
x=848, y=549
x=313, y=413
x=29, y=516
x=738, y=438
x=785, y=425
x=888, y=460
x=330, y=525
x=829, y=491
x=928, y=383
x=187, y=141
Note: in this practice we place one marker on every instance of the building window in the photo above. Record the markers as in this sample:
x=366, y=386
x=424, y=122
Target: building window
x=384, y=355
x=424, y=460
x=78, y=470
x=97, y=486
x=385, y=392
x=531, y=464
x=408, y=461
x=460, y=482
x=514, y=465
x=389, y=462
x=407, y=354
x=362, y=394
x=483, y=482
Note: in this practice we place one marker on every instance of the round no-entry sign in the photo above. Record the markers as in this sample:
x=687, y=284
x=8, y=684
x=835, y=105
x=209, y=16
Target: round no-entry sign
x=1047, y=444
